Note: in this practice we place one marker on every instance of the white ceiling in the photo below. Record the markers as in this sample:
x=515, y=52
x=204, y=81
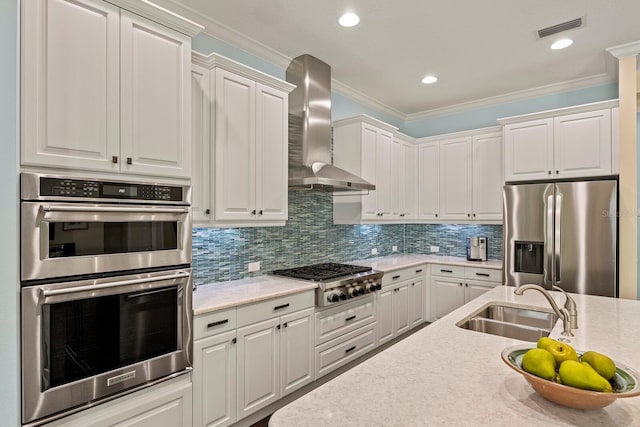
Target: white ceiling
x=478, y=49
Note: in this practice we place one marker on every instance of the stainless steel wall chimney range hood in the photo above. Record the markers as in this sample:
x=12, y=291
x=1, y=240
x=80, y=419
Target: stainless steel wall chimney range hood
x=310, y=131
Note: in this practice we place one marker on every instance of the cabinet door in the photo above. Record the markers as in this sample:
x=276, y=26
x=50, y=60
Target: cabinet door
x=234, y=147
x=418, y=301
x=271, y=153
x=455, y=179
x=582, y=144
x=615, y=140
x=155, y=98
x=258, y=366
x=446, y=295
x=474, y=289
x=487, y=177
x=296, y=351
x=428, y=181
x=407, y=181
x=528, y=150
x=200, y=148
x=70, y=104
x=386, y=176
x=402, y=309
x=214, y=380
x=384, y=319
x=369, y=168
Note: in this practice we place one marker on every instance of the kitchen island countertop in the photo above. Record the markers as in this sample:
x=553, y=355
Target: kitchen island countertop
x=445, y=375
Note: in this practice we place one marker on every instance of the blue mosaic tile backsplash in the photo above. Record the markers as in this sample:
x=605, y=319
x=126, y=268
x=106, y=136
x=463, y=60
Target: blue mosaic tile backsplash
x=222, y=254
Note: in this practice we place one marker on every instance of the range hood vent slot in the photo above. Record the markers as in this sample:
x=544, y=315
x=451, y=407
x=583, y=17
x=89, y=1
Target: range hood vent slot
x=558, y=28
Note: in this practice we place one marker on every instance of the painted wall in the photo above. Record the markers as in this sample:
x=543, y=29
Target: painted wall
x=310, y=237
x=9, y=296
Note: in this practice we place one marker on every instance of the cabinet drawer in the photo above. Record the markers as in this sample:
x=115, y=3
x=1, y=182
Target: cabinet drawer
x=213, y=323
x=488, y=274
x=335, y=322
x=401, y=275
x=447, y=270
x=334, y=354
x=274, y=307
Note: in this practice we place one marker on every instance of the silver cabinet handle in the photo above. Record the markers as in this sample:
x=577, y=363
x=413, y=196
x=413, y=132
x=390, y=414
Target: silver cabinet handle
x=112, y=209
x=558, y=238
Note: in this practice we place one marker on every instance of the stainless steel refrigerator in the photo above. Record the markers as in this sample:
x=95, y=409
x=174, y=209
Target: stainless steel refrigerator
x=563, y=234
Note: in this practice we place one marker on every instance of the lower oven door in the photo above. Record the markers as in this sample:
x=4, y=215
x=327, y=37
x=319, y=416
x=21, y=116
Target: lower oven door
x=69, y=239
x=87, y=340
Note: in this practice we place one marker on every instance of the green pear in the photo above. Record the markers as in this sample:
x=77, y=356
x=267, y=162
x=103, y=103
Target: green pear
x=540, y=363
x=582, y=375
x=559, y=350
x=601, y=363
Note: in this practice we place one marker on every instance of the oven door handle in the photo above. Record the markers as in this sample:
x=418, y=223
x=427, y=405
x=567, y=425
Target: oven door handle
x=46, y=293
x=117, y=209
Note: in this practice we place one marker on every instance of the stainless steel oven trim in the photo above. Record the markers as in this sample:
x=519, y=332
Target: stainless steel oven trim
x=30, y=185
x=37, y=404
x=36, y=217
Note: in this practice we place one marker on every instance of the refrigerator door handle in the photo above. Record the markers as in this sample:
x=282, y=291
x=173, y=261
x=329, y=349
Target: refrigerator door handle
x=557, y=238
x=548, y=242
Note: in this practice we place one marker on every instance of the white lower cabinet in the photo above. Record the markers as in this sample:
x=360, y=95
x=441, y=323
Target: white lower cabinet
x=401, y=303
x=454, y=286
x=167, y=404
x=275, y=357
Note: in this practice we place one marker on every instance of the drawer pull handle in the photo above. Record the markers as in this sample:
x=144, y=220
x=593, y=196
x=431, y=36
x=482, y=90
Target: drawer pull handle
x=221, y=322
x=280, y=307
x=446, y=271
x=482, y=274
x=349, y=318
x=395, y=277
x=233, y=341
x=418, y=271
x=350, y=349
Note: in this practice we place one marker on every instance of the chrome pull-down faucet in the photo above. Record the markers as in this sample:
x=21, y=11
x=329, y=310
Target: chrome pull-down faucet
x=571, y=307
x=563, y=313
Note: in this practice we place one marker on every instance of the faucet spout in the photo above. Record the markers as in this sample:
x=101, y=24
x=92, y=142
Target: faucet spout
x=562, y=313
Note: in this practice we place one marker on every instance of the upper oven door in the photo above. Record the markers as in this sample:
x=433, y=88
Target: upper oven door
x=69, y=239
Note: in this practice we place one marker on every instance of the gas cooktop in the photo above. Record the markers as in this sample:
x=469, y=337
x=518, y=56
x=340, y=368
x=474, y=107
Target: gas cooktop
x=322, y=272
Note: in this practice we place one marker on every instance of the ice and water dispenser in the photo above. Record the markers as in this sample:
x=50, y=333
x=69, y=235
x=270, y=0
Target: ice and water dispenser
x=529, y=257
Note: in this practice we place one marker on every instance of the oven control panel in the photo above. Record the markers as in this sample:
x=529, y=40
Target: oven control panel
x=79, y=188
x=346, y=292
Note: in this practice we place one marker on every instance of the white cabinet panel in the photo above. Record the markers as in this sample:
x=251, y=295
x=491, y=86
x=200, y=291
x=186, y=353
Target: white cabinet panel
x=487, y=176
x=200, y=149
x=155, y=98
x=370, y=161
x=474, y=289
x=582, y=144
x=296, y=351
x=615, y=140
x=234, y=146
x=385, y=319
x=455, y=179
x=428, y=181
x=403, y=309
x=419, y=301
x=407, y=176
x=70, y=104
x=447, y=294
x=528, y=150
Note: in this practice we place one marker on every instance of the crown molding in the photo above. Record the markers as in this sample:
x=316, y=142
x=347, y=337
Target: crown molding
x=366, y=100
x=560, y=112
x=623, y=50
x=363, y=118
x=583, y=82
x=496, y=130
x=214, y=60
x=160, y=15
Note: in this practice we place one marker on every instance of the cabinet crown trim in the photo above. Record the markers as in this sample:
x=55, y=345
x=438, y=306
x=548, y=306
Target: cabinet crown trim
x=461, y=134
x=160, y=15
x=363, y=118
x=213, y=61
x=583, y=108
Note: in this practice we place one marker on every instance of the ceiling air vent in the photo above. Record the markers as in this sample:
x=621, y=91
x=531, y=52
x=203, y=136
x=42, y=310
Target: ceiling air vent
x=558, y=28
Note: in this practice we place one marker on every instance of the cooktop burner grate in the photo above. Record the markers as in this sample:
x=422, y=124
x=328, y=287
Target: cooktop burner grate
x=324, y=271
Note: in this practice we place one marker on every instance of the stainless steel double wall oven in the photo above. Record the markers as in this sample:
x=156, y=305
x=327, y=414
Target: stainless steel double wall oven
x=106, y=290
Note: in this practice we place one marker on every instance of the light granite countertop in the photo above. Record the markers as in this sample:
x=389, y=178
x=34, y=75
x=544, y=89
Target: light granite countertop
x=221, y=295
x=446, y=376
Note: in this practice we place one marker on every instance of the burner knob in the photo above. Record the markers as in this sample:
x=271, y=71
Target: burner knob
x=372, y=287
x=379, y=286
x=353, y=292
x=360, y=290
x=333, y=297
x=342, y=295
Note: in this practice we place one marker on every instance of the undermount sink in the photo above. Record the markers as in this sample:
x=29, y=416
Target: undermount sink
x=511, y=321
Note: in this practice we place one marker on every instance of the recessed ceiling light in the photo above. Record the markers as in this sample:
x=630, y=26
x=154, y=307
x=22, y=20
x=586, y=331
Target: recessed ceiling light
x=349, y=20
x=430, y=79
x=561, y=44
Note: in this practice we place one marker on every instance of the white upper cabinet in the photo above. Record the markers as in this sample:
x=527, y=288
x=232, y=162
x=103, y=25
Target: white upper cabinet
x=240, y=145
x=574, y=142
x=460, y=177
x=428, y=181
x=376, y=152
x=104, y=89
